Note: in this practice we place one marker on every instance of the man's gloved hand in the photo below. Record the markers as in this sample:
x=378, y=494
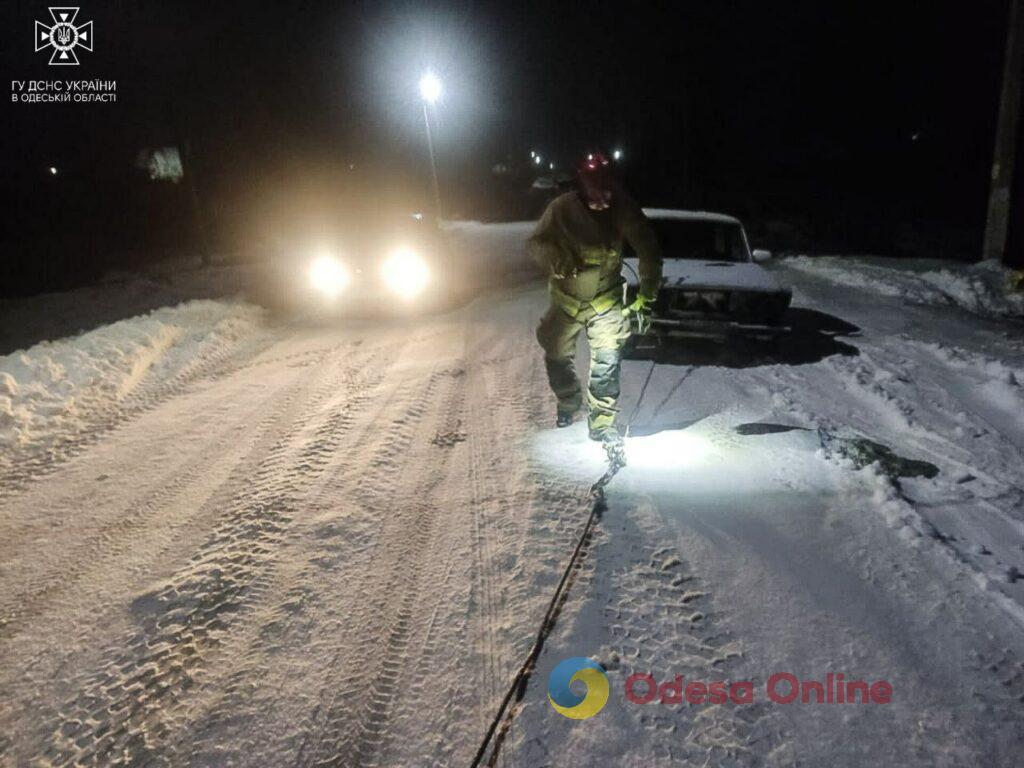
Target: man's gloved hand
x=641, y=311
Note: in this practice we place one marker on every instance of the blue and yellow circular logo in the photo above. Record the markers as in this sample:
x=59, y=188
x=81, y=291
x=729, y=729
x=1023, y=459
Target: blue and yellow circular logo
x=573, y=705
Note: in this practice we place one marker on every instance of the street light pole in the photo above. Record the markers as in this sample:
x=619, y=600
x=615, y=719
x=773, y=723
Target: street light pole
x=1000, y=203
x=430, y=92
x=433, y=165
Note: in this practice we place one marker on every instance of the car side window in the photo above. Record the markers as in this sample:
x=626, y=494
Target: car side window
x=737, y=252
x=721, y=248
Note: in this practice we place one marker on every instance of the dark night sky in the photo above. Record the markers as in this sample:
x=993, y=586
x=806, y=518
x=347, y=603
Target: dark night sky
x=791, y=108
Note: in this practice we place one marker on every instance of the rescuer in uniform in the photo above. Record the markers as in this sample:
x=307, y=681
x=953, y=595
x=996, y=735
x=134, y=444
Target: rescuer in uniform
x=579, y=242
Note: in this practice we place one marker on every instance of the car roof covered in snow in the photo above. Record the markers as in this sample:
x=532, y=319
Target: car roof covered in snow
x=673, y=213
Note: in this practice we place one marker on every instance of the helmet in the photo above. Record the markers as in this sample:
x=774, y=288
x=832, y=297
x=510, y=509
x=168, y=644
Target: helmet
x=597, y=181
x=594, y=162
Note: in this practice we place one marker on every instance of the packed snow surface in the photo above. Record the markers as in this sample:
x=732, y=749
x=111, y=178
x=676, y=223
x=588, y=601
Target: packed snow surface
x=56, y=389
x=980, y=288
x=235, y=540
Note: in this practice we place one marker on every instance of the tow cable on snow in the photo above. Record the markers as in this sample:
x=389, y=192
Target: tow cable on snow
x=639, y=400
x=518, y=688
x=516, y=691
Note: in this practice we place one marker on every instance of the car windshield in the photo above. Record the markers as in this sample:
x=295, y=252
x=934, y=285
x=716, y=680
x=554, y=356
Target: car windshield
x=703, y=240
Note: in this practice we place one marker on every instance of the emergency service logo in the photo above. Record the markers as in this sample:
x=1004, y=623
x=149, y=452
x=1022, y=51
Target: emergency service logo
x=64, y=36
x=574, y=705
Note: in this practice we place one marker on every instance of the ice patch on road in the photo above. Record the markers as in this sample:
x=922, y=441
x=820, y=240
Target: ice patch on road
x=56, y=389
x=979, y=288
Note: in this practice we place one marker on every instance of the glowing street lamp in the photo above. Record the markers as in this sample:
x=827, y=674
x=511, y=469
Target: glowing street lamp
x=430, y=88
x=617, y=154
x=430, y=92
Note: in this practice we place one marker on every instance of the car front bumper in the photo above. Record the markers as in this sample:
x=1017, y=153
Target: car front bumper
x=704, y=327
x=720, y=313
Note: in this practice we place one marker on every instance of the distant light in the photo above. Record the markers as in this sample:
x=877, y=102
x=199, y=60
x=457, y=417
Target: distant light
x=53, y=171
x=418, y=216
x=533, y=153
x=537, y=160
x=590, y=158
x=551, y=166
x=617, y=154
x=430, y=87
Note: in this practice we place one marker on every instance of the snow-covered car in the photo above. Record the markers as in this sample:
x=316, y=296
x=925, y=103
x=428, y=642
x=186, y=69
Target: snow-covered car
x=712, y=284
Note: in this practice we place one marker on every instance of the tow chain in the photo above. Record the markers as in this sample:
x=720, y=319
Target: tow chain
x=616, y=461
x=518, y=688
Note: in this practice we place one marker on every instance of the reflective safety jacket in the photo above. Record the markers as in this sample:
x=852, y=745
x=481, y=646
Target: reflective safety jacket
x=582, y=251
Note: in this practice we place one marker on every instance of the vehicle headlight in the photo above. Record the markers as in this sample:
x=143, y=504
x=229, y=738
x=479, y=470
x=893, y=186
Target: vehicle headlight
x=328, y=275
x=405, y=273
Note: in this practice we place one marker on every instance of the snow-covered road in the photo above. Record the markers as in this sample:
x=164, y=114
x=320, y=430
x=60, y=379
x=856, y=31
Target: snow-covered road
x=334, y=546
x=318, y=555
x=737, y=548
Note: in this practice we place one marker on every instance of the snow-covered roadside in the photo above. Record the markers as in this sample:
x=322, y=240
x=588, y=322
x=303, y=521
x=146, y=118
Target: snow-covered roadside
x=932, y=382
x=341, y=550
x=851, y=503
x=25, y=321
x=978, y=288
x=57, y=389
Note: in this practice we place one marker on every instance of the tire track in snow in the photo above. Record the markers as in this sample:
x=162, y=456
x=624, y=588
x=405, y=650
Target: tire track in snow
x=33, y=467
x=125, y=711
x=497, y=489
x=347, y=679
x=289, y=620
x=662, y=619
x=534, y=515
x=484, y=497
x=654, y=615
x=350, y=725
x=115, y=537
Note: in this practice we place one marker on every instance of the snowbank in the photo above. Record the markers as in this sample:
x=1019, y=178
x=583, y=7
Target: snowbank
x=28, y=320
x=55, y=389
x=979, y=288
